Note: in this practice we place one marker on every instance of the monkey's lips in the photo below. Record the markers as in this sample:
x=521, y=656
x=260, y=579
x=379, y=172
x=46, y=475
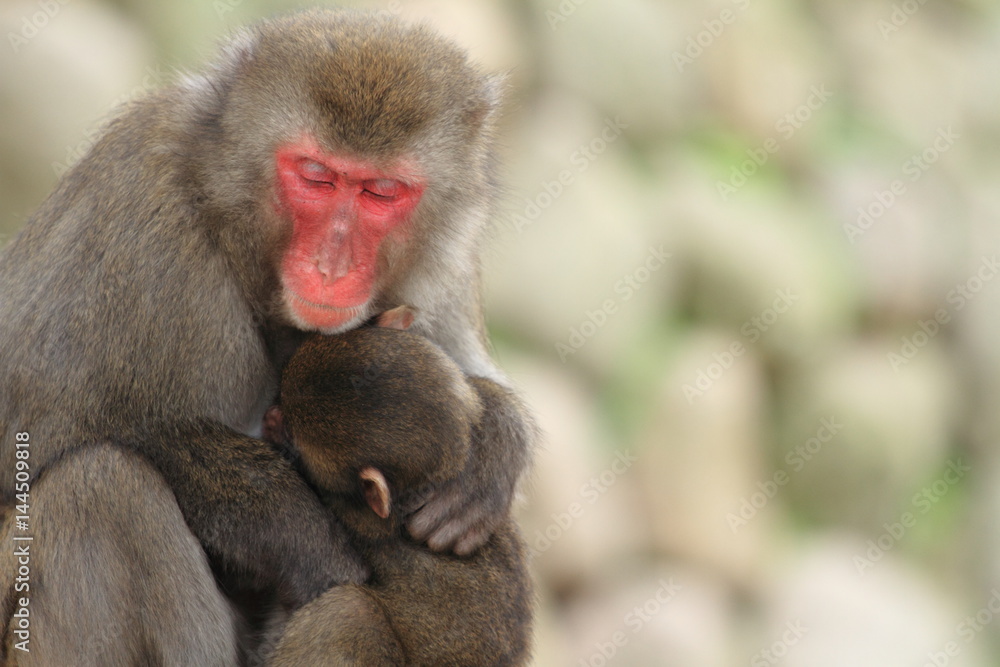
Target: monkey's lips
x=325, y=318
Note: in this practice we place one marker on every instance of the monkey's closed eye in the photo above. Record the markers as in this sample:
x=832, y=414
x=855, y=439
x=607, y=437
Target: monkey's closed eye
x=314, y=172
x=383, y=188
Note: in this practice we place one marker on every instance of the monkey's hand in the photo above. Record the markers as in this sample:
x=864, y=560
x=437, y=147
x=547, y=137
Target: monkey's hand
x=463, y=513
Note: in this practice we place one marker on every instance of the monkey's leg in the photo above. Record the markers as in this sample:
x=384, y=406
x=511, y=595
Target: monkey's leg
x=344, y=626
x=115, y=576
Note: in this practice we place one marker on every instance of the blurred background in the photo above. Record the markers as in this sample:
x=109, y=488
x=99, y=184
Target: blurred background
x=744, y=271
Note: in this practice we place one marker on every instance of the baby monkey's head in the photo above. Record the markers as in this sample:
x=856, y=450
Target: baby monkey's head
x=378, y=413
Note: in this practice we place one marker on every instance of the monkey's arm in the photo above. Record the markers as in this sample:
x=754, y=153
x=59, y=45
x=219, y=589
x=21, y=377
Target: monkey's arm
x=252, y=513
x=462, y=514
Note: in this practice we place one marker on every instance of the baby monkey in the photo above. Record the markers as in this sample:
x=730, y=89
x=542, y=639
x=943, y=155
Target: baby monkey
x=377, y=417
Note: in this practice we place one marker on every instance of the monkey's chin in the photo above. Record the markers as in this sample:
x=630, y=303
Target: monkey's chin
x=310, y=316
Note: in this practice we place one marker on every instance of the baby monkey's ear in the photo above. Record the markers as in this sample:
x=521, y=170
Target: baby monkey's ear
x=274, y=428
x=400, y=317
x=376, y=491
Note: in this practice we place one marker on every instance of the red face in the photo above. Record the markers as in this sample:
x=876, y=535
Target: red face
x=342, y=209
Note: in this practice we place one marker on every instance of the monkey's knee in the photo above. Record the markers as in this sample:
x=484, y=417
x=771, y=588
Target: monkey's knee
x=344, y=626
x=114, y=576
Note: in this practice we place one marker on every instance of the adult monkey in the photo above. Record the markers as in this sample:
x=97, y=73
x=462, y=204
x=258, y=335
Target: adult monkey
x=328, y=166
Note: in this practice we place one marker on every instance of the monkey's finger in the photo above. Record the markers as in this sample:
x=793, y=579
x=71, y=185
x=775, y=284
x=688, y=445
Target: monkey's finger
x=450, y=535
x=423, y=523
x=474, y=539
x=429, y=518
x=445, y=537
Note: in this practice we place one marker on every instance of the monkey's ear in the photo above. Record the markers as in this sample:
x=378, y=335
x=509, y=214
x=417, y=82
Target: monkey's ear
x=400, y=317
x=376, y=491
x=274, y=428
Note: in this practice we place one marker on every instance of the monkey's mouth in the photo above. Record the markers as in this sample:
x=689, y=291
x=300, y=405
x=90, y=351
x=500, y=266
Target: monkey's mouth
x=325, y=318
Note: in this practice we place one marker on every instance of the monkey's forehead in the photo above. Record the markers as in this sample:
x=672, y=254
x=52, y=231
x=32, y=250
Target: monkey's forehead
x=369, y=46
x=370, y=76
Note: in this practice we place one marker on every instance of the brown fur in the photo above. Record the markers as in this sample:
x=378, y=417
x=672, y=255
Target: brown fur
x=140, y=309
x=392, y=401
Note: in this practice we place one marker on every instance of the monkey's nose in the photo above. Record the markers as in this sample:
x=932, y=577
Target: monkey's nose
x=334, y=264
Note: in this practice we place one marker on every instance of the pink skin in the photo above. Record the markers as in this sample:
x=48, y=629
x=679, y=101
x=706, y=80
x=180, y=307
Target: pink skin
x=342, y=209
x=273, y=427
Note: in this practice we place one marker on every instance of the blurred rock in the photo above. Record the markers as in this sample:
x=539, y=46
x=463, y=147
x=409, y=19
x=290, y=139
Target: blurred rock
x=909, y=80
x=700, y=456
x=975, y=326
x=981, y=88
x=738, y=256
x=485, y=28
x=890, y=217
x=978, y=355
x=980, y=554
x=822, y=613
x=56, y=88
x=893, y=429
x=187, y=34
x=620, y=57
x=550, y=645
x=658, y=616
x=574, y=255
x=759, y=88
x=581, y=515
